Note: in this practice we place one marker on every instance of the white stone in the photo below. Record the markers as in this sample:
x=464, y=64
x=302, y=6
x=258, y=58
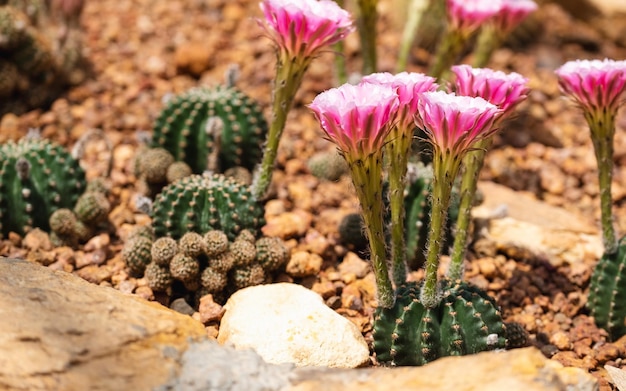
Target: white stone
x=287, y=323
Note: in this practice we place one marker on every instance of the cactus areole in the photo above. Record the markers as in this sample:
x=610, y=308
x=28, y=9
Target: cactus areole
x=37, y=177
x=212, y=129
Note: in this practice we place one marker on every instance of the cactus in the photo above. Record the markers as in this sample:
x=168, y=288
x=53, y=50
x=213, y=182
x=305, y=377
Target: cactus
x=328, y=165
x=37, y=177
x=212, y=129
x=271, y=253
x=136, y=253
x=465, y=321
x=92, y=207
x=203, y=203
x=607, y=292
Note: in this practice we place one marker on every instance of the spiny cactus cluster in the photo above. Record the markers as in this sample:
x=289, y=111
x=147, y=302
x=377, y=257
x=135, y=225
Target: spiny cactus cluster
x=34, y=68
x=465, y=321
x=70, y=227
x=201, y=203
x=37, y=178
x=607, y=292
x=417, y=218
x=156, y=168
x=196, y=265
x=212, y=129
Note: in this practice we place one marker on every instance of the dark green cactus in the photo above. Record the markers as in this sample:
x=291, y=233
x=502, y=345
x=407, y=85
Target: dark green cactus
x=202, y=203
x=607, y=292
x=37, y=177
x=466, y=321
x=212, y=128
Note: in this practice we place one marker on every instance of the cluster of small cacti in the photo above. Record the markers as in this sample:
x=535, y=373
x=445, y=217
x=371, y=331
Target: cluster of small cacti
x=417, y=218
x=34, y=68
x=37, y=178
x=73, y=226
x=201, y=203
x=196, y=265
x=156, y=168
x=212, y=129
x=465, y=321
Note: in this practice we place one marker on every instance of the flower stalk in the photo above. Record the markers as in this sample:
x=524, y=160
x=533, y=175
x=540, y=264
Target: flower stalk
x=366, y=25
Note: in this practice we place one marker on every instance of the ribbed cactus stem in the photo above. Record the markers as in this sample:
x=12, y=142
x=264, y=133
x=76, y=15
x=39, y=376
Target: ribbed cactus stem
x=488, y=41
x=602, y=127
x=366, y=23
x=443, y=179
x=366, y=176
x=472, y=164
x=398, y=148
x=415, y=12
x=448, y=51
x=289, y=74
x=340, y=59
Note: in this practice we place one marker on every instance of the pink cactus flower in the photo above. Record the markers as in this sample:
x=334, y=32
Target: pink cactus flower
x=454, y=122
x=303, y=27
x=408, y=86
x=356, y=118
x=512, y=13
x=596, y=85
x=467, y=16
x=502, y=89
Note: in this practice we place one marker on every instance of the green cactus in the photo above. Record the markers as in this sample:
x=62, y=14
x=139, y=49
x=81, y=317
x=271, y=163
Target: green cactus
x=271, y=253
x=202, y=203
x=92, y=208
x=163, y=250
x=158, y=277
x=465, y=321
x=607, y=292
x=136, y=253
x=212, y=128
x=37, y=177
x=328, y=165
x=184, y=267
x=215, y=243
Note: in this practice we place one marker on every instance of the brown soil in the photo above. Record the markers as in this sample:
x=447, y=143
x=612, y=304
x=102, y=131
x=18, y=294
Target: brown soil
x=142, y=50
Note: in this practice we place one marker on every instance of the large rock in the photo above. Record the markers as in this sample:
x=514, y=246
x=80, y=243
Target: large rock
x=522, y=226
x=287, y=323
x=59, y=332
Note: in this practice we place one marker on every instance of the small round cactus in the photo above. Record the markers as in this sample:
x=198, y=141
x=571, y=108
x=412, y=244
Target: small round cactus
x=184, y=267
x=222, y=262
x=63, y=222
x=246, y=276
x=37, y=177
x=176, y=171
x=158, y=277
x=328, y=165
x=191, y=244
x=213, y=281
x=215, y=243
x=271, y=253
x=465, y=321
x=152, y=164
x=163, y=250
x=204, y=127
x=136, y=253
x=92, y=207
x=202, y=203
x=243, y=252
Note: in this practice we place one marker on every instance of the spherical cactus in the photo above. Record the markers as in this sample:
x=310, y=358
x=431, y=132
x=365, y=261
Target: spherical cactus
x=352, y=232
x=191, y=244
x=516, y=335
x=202, y=203
x=63, y=222
x=271, y=253
x=215, y=243
x=328, y=165
x=465, y=321
x=152, y=165
x=37, y=177
x=136, y=253
x=184, y=267
x=222, y=262
x=163, y=250
x=92, y=207
x=212, y=280
x=247, y=236
x=243, y=277
x=219, y=126
x=176, y=171
x=243, y=252
x=158, y=277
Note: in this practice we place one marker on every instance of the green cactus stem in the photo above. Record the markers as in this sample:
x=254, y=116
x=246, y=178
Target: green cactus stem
x=465, y=321
x=37, y=177
x=416, y=10
x=607, y=291
x=366, y=25
x=202, y=203
x=211, y=128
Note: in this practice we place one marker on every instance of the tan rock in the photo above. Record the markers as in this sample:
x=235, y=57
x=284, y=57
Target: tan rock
x=59, y=332
x=522, y=226
x=304, y=263
x=514, y=370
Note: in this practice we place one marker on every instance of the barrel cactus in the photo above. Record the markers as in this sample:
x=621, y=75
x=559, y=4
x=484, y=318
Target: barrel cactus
x=607, y=292
x=201, y=203
x=465, y=321
x=37, y=177
x=212, y=128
